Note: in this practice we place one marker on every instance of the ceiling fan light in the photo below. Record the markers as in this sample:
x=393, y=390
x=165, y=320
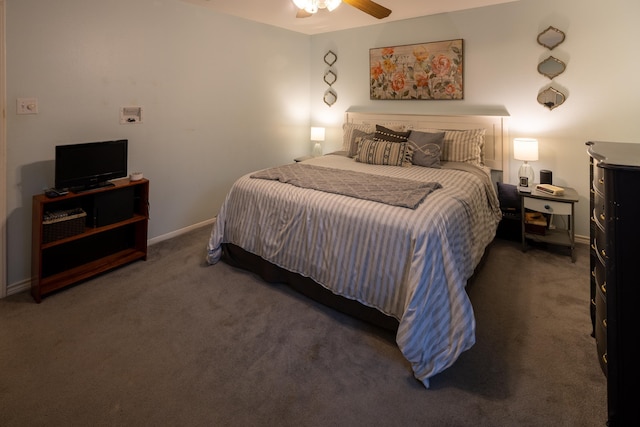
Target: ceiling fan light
x=300, y=4
x=311, y=7
x=332, y=4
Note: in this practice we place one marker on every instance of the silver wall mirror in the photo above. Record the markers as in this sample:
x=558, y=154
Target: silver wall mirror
x=551, y=67
x=551, y=37
x=551, y=98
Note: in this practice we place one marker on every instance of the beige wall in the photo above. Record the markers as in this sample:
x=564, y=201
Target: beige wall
x=500, y=70
x=221, y=96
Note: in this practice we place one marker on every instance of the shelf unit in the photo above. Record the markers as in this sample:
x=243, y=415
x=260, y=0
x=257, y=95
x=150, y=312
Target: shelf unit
x=114, y=233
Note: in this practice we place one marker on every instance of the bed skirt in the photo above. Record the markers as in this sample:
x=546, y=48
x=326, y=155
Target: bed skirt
x=238, y=257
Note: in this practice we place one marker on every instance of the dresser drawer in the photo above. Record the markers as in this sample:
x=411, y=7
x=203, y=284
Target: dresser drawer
x=599, y=245
x=600, y=278
x=547, y=206
x=598, y=179
x=601, y=331
x=598, y=208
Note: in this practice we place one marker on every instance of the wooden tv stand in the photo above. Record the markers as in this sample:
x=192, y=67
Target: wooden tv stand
x=112, y=233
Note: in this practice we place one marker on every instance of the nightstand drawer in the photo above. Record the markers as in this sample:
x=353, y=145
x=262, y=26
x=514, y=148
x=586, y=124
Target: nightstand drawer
x=547, y=206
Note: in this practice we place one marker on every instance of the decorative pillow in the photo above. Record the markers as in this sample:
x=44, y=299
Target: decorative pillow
x=508, y=197
x=427, y=148
x=347, y=134
x=384, y=153
x=385, y=134
x=463, y=146
x=356, y=136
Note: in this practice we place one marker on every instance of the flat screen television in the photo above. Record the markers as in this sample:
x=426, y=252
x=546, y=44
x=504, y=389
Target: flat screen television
x=89, y=165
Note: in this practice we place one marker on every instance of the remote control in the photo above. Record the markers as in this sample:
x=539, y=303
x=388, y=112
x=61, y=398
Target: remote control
x=54, y=192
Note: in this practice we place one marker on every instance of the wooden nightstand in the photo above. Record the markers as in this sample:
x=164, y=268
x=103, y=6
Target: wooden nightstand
x=537, y=201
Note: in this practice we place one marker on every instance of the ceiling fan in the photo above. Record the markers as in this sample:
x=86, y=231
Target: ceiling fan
x=307, y=8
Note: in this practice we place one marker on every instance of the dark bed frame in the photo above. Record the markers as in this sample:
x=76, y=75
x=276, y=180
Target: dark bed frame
x=238, y=257
x=271, y=273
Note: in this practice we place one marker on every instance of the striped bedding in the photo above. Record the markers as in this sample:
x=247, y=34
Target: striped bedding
x=409, y=264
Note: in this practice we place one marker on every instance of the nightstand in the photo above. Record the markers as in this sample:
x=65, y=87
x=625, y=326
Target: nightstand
x=537, y=201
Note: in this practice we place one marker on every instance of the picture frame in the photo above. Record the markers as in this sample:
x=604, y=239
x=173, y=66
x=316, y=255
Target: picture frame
x=424, y=71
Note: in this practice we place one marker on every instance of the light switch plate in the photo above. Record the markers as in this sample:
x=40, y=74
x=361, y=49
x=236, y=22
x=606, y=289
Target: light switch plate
x=27, y=106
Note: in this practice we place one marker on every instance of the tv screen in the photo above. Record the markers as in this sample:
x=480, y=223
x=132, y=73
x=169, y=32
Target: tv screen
x=81, y=167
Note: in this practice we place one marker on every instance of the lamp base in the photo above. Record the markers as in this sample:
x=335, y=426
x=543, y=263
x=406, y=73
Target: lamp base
x=526, y=171
x=317, y=150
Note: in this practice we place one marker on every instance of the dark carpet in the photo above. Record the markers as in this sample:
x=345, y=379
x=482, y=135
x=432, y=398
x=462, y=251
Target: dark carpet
x=173, y=342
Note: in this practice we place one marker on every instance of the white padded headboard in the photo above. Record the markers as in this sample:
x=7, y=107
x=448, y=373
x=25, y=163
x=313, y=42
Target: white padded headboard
x=496, y=151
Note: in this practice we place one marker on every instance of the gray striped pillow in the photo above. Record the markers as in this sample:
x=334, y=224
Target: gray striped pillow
x=384, y=153
x=348, y=135
x=463, y=146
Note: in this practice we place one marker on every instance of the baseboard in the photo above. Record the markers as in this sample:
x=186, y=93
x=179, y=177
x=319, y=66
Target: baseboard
x=16, y=288
x=25, y=285
x=584, y=240
x=179, y=232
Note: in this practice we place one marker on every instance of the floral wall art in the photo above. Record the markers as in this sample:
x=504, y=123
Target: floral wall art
x=419, y=71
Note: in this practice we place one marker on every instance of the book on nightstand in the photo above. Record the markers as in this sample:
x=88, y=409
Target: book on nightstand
x=550, y=189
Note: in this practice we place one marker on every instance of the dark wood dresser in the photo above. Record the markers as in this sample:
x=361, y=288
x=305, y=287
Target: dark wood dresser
x=615, y=274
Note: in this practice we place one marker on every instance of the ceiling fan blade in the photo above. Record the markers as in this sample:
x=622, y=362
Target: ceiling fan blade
x=302, y=14
x=370, y=7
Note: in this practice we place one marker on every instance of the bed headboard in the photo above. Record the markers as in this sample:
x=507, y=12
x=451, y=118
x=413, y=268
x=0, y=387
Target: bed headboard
x=496, y=148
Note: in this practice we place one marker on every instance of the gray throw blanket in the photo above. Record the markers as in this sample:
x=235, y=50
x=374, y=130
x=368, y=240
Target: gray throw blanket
x=392, y=191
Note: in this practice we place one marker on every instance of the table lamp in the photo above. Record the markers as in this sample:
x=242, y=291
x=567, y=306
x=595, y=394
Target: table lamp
x=525, y=149
x=317, y=136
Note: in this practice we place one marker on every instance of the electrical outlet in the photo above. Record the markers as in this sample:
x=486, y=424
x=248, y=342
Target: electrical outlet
x=130, y=115
x=27, y=106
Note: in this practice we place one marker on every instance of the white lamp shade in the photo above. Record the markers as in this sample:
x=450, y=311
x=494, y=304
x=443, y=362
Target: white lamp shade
x=525, y=149
x=317, y=134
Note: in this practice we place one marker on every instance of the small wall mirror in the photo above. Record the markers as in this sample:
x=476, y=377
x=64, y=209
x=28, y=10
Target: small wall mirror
x=551, y=37
x=551, y=67
x=330, y=77
x=551, y=98
x=330, y=97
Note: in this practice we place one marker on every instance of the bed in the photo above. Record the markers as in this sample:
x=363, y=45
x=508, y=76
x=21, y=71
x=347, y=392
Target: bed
x=398, y=252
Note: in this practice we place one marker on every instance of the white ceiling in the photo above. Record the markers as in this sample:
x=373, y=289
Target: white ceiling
x=282, y=13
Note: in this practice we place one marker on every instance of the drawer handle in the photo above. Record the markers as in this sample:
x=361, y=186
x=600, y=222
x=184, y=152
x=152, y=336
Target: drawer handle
x=603, y=287
x=547, y=207
x=604, y=358
x=601, y=180
x=604, y=254
x=593, y=302
x=604, y=323
x=593, y=273
x=602, y=217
